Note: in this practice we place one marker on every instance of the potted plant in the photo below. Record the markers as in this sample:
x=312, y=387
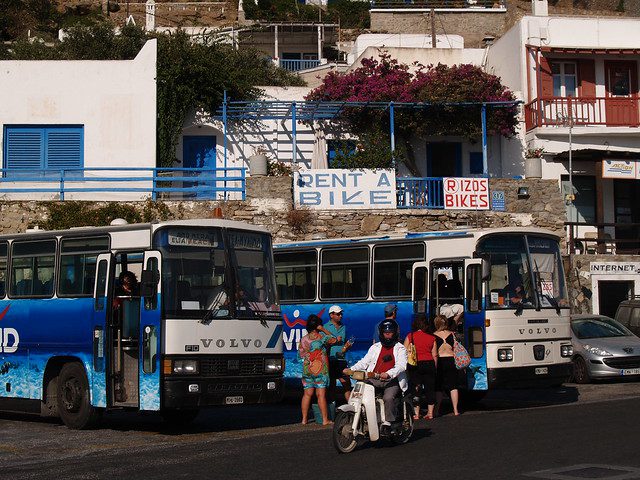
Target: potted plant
x=258, y=161
x=533, y=162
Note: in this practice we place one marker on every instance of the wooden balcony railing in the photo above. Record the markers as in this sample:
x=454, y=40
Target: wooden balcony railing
x=582, y=111
x=611, y=238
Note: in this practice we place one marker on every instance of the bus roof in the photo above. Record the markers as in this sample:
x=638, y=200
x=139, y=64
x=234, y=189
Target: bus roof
x=203, y=222
x=439, y=234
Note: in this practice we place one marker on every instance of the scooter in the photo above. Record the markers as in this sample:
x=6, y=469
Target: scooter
x=360, y=419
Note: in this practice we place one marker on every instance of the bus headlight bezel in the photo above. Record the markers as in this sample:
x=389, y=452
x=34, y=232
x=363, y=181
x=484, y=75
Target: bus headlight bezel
x=273, y=365
x=185, y=367
x=566, y=351
x=505, y=355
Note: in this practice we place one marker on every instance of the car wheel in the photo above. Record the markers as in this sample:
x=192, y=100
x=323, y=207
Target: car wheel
x=580, y=370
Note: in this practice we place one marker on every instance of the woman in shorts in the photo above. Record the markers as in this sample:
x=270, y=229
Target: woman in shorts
x=315, y=367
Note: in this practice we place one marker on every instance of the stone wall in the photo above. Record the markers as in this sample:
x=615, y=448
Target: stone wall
x=472, y=26
x=269, y=203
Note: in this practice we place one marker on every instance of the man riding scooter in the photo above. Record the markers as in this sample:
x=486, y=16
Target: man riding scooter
x=387, y=360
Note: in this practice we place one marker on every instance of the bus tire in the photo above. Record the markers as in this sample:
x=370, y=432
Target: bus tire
x=74, y=403
x=178, y=417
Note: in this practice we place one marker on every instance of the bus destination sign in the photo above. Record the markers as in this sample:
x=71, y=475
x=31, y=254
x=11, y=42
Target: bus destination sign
x=245, y=241
x=192, y=238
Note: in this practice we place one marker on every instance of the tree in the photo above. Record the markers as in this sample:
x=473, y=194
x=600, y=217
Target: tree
x=386, y=80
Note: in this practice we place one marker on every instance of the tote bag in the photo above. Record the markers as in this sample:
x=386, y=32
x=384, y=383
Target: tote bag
x=460, y=355
x=412, y=355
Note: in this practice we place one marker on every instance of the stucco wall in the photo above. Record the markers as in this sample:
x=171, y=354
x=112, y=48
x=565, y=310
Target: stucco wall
x=115, y=102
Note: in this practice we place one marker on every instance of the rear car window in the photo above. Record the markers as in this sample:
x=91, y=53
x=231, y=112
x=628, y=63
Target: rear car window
x=622, y=315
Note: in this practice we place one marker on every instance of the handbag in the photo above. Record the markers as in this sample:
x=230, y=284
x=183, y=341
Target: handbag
x=460, y=355
x=412, y=355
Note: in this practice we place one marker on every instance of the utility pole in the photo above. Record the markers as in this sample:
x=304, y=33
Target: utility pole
x=433, y=28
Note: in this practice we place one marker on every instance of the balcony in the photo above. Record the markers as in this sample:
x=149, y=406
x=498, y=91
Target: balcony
x=603, y=238
x=420, y=192
x=583, y=111
x=298, y=65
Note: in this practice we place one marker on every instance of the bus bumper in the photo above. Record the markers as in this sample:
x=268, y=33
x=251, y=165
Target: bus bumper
x=207, y=392
x=527, y=376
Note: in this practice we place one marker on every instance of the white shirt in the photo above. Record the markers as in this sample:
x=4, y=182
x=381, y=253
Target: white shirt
x=399, y=370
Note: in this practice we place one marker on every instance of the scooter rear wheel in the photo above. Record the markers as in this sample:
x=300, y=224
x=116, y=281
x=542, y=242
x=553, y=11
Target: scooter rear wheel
x=406, y=430
x=343, y=438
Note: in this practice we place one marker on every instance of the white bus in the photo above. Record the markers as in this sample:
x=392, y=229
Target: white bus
x=201, y=328
x=509, y=282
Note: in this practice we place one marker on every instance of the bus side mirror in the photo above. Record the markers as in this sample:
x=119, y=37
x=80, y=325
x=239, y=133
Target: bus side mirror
x=486, y=270
x=149, y=283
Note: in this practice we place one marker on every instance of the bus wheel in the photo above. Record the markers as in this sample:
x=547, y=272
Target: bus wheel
x=74, y=405
x=176, y=418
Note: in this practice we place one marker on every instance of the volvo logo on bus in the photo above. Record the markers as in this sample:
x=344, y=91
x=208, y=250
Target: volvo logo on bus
x=538, y=352
x=10, y=340
x=231, y=342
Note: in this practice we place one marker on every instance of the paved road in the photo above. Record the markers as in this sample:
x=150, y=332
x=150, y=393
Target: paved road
x=508, y=435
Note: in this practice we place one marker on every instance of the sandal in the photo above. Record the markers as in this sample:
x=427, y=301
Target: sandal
x=428, y=417
x=416, y=417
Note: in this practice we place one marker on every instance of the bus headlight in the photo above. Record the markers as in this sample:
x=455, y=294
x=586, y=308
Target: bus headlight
x=273, y=365
x=566, y=350
x=505, y=354
x=185, y=367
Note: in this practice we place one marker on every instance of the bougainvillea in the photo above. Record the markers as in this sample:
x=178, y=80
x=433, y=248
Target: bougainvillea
x=435, y=87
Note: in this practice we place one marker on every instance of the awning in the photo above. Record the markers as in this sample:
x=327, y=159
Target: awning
x=593, y=154
x=589, y=50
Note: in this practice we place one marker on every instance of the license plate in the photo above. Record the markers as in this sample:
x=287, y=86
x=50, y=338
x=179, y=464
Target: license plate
x=542, y=370
x=630, y=371
x=234, y=400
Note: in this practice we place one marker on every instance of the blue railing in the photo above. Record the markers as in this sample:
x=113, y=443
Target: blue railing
x=419, y=192
x=165, y=183
x=297, y=65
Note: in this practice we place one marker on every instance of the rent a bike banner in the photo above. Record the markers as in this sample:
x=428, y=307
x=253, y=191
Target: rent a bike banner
x=345, y=189
x=466, y=193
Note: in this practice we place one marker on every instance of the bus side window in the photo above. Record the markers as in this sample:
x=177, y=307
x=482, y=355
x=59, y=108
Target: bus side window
x=32, y=271
x=476, y=344
x=474, y=278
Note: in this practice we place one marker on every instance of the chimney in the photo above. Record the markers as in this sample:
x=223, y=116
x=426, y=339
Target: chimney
x=150, y=19
x=540, y=8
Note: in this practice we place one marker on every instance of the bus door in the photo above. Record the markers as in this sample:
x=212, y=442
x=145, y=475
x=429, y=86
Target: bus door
x=446, y=296
x=420, y=276
x=474, y=324
x=150, y=324
x=101, y=335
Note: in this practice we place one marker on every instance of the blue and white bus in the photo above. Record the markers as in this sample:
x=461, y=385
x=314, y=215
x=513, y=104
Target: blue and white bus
x=203, y=328
x=512, y=340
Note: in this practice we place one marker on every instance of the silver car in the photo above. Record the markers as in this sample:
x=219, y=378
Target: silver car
x=603, y=348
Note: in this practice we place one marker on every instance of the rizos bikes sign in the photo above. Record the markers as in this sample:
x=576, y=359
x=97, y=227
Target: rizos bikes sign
x=466, y=193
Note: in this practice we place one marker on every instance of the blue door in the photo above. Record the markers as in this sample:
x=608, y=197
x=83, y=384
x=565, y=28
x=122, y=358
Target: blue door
x=199, y=151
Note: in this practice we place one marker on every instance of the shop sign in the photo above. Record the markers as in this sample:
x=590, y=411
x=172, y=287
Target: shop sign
x=619, y=169
x=614, y=268
x=466, y=193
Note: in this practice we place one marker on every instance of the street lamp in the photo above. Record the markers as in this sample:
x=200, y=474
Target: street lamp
x=567, y=121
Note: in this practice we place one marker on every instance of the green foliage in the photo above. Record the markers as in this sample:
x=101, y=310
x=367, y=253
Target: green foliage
x=18, y=16
x=350, y=13
x=277, y=169
x=70, y=214
x=620, y=6
x=373, y=150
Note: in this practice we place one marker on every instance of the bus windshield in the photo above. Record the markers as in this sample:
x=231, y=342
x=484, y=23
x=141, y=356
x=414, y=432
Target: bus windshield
x=526, y=272
x=208, y=273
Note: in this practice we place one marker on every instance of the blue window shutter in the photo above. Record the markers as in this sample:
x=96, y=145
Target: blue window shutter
x=64, y=148
x=24, y=148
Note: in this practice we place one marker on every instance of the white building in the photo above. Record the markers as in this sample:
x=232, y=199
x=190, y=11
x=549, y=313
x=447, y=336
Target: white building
x=79, y=115
x=578, y=78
